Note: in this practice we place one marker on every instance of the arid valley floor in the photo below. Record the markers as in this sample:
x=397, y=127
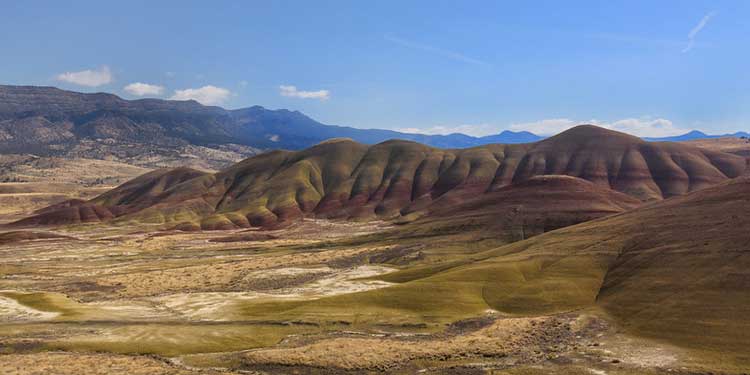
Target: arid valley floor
x=141, y=303
x=312, y=298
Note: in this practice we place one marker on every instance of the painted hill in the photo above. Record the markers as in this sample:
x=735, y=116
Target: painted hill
x=344, y=179
x=525, y=209
x=134, y=195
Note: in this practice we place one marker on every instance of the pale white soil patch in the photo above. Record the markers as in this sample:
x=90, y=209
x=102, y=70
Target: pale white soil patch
x=343, y=283
x=12, y=311
x=215, y=305
x=127, y=310
x=640, y=352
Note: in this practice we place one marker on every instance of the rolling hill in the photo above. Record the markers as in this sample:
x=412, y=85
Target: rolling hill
x=522, y=210
x=344, y=179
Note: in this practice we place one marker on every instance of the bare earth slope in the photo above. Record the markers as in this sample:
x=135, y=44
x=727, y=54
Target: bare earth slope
x=344, y=179
x=519, y=211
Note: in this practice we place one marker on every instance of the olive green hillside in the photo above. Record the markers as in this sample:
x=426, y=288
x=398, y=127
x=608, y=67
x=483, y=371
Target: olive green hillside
x=139, y=193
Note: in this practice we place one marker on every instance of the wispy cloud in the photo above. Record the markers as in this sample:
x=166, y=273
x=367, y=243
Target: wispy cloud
x=293, y=92
x=89, y=77
x=697, y=29
x=637, y=40
x=435, y=50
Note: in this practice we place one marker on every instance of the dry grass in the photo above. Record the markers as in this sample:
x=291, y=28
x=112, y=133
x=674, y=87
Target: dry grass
x=93, y=364
x=500, y=339
x=38, y=182
x=29, y=168
x=732, y=145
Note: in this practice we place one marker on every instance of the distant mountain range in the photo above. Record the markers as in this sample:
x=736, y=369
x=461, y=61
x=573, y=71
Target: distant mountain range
x=48, y=121
x=51, y=122
x=696, y=134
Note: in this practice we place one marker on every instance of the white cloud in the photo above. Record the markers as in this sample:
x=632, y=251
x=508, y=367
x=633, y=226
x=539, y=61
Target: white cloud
x=143, y=89
x=292, y=92
x=477, y=130
x=545, y=127
x=697, y=29
x=207, y=95
x=647, y=127
x=90, y=78
x=642, y=127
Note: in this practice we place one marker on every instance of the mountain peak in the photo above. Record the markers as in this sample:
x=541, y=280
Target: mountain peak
x=696, y=133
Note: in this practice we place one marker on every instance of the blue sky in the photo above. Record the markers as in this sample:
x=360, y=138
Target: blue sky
x=649, y=68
